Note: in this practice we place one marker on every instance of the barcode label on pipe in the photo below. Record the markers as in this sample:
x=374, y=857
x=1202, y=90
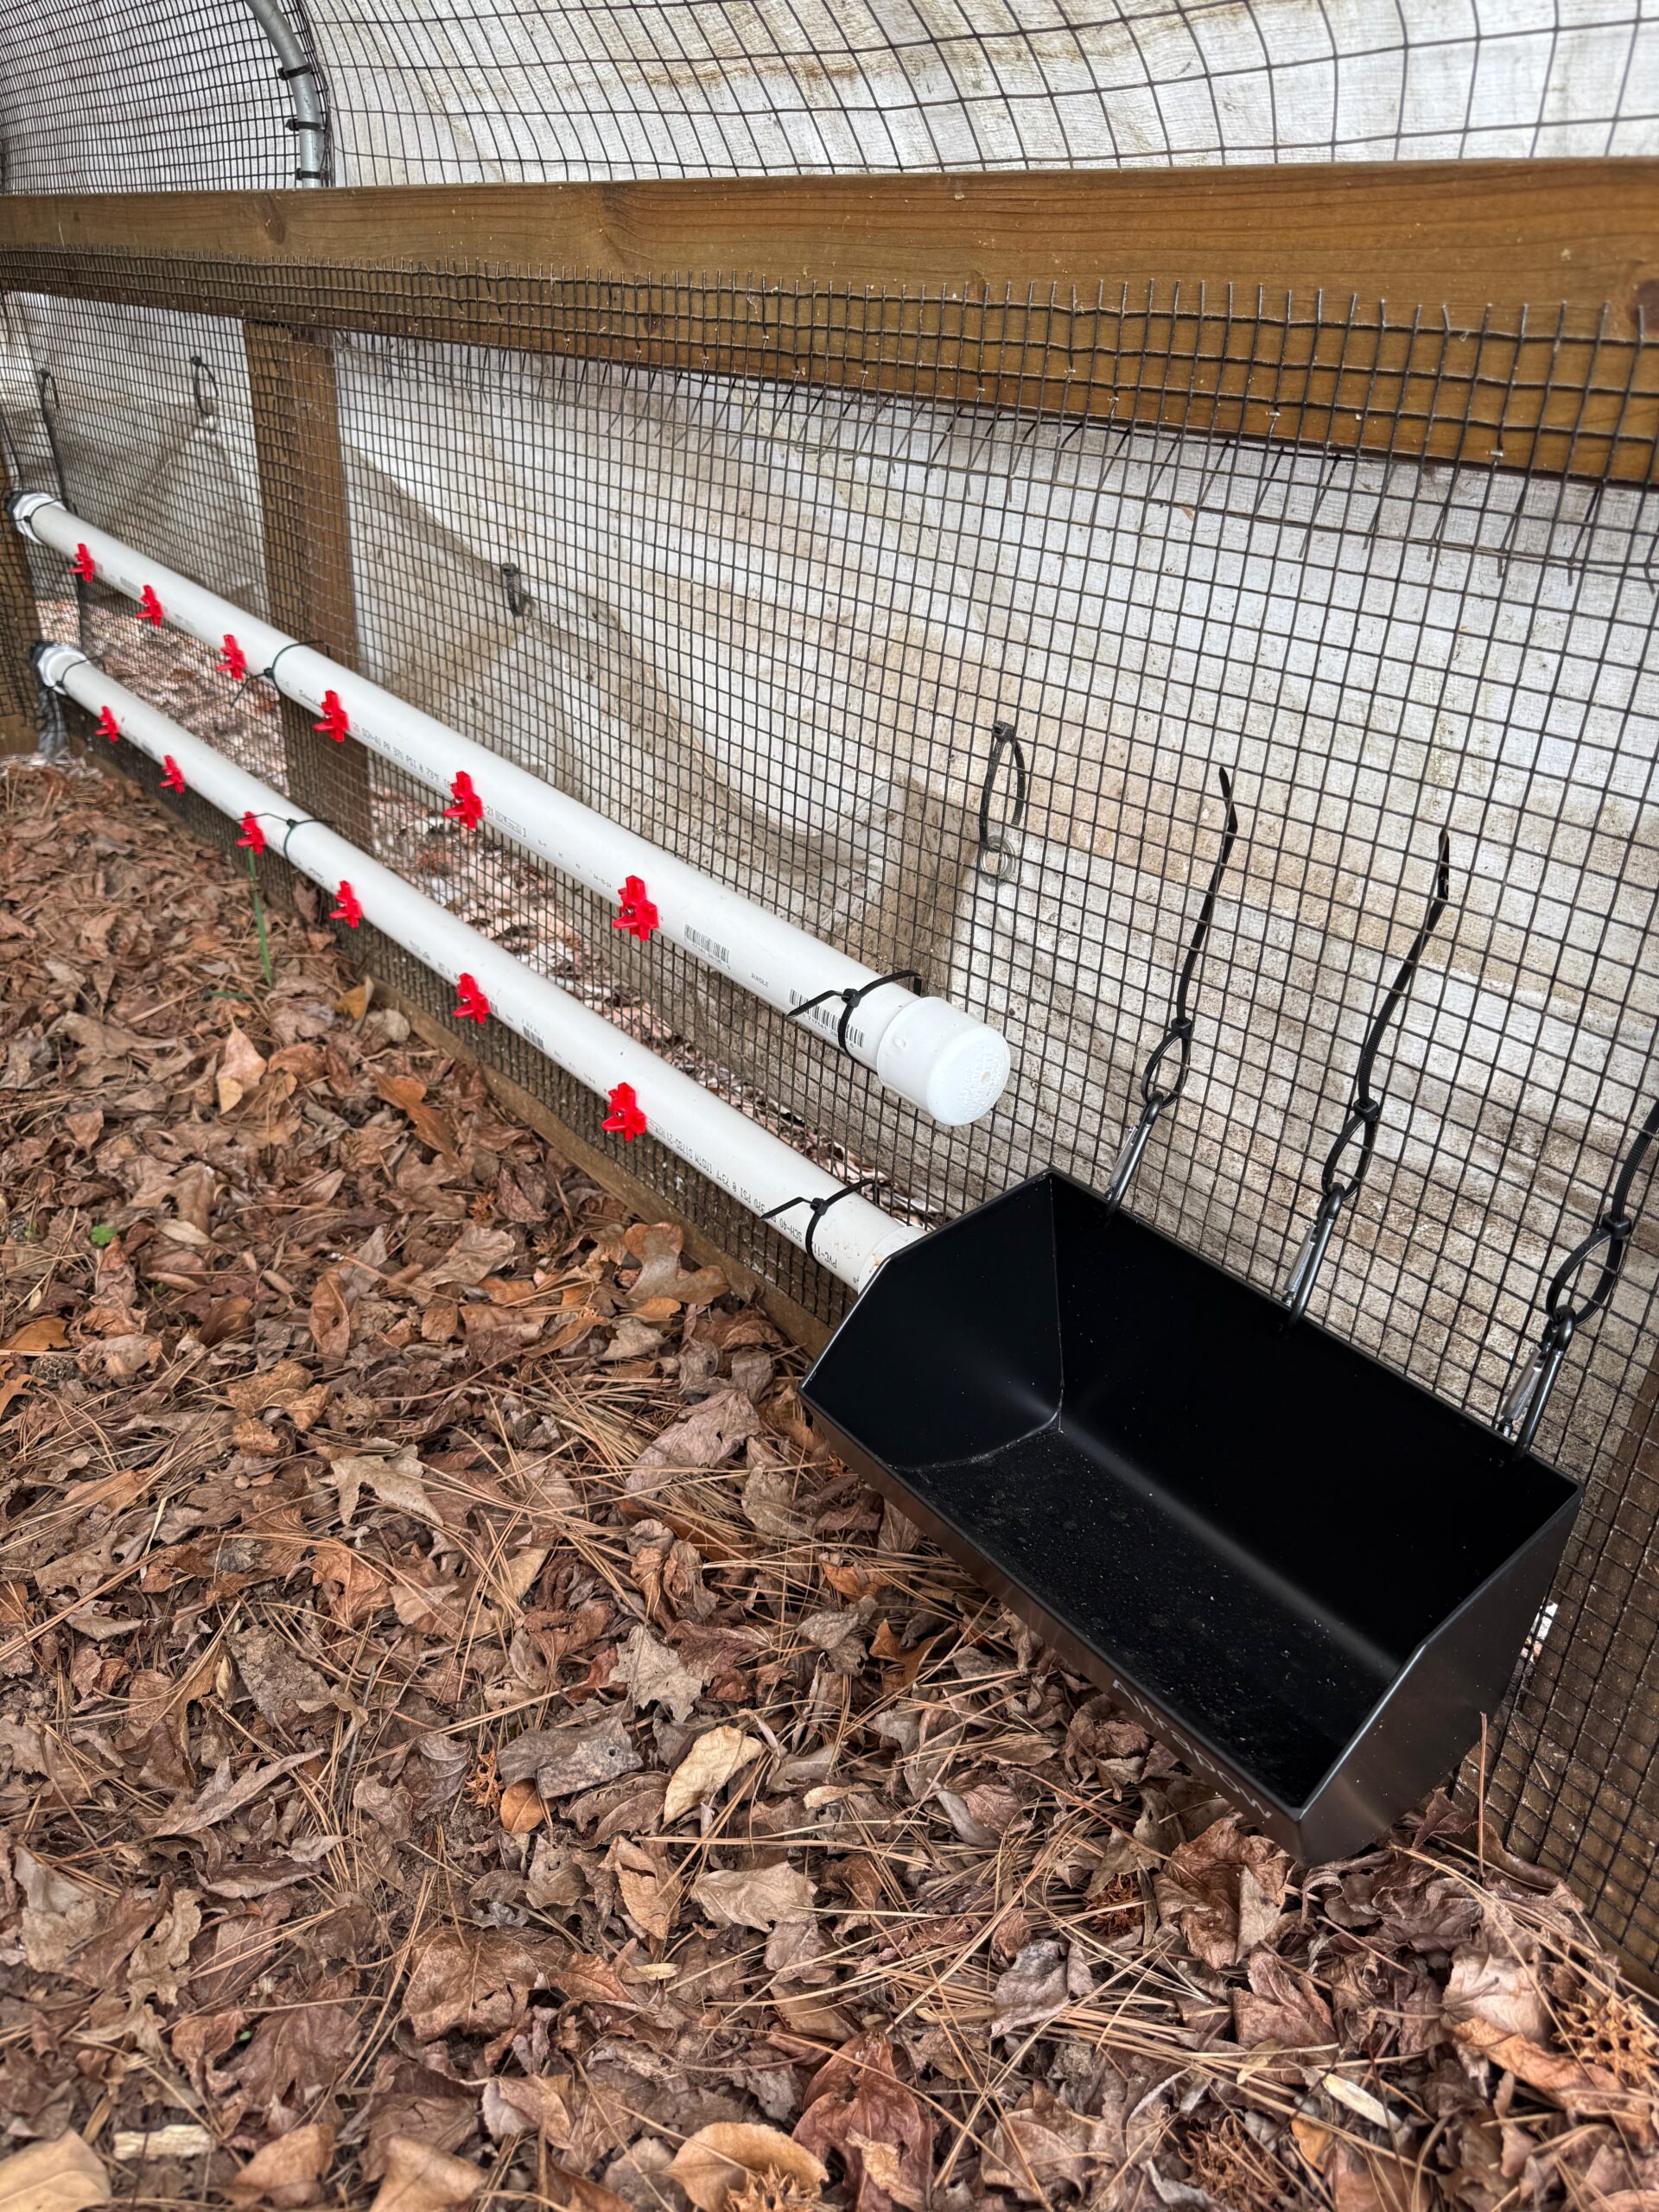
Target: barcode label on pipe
x=717, y=952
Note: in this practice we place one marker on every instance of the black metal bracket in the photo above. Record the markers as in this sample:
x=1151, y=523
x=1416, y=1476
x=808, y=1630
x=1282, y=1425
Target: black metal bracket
x=1524, y=1408
x=1157, y=1097
x=1366, y=1108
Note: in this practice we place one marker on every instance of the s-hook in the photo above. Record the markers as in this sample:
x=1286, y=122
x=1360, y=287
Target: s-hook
x=1364, y=1111
x=1524, y=1408
x=998, y=848
x=1155, y=1098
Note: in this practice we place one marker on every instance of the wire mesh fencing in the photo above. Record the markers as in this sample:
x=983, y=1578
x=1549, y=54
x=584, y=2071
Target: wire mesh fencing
x=185, y=93
x=952, y=685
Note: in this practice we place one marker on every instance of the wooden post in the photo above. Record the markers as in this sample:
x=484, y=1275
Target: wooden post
x=20, y=626
x=308, y=552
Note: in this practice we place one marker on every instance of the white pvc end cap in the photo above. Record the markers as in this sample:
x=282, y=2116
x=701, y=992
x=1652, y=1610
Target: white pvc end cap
x=26, y=504
x=53, y=662
x=945, y=1061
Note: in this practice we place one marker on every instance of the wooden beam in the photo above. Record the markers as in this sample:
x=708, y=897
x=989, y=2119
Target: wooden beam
x=1465, y=236
x=308, y=552
x=1488, y=311
x=20, y=626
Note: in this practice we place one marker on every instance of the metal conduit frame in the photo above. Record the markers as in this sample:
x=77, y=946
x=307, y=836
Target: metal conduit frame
x=309, y=121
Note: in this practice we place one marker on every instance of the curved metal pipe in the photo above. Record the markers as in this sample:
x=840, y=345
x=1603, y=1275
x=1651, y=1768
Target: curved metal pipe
x=309, y=121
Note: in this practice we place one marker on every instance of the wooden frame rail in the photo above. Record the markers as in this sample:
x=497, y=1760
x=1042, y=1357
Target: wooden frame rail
x=1488, y=311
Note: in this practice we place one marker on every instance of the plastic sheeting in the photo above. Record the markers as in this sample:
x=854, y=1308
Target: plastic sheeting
x=123, y=94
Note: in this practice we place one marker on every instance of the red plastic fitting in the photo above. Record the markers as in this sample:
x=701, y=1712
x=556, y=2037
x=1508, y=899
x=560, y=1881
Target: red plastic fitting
x=639, y=916
x=626, y=1118
x=466, y=807
x=335, y=722
x=472, y=1005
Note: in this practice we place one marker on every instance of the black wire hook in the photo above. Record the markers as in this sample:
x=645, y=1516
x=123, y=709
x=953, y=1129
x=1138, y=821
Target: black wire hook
x=994, y=853
x=1524, y=1408
x=1364, y=1109
x=204, y=390
x=1157, y=1098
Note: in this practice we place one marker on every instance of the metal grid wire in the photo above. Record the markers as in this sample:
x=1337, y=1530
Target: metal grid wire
x=178, y=94
x=775, y=628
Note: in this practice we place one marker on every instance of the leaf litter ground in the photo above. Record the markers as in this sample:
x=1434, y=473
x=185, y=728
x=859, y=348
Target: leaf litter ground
x=462, y=1740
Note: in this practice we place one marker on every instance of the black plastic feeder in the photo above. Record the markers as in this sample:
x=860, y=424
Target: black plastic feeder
x=1307, y=1575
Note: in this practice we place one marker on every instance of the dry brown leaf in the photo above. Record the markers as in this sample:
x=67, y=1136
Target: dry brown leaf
x=1281, y=2009
x=60, y=1916
x=569, y=2192
x=62, y=2176
x=477, y=1979
x=46, y=1333
x=720, y=2157
x=708, y=1439
x=653, y=1674
x=420, y=2180
x=1045, y=1979
x=650, y=1890
x=511, y=2106
x=225, y=1795
x=330, y=1317
x=240, y=1066
x=285, y=2172
x=1226, y=1889
x=753, y=1897
x=522, y=1809
x=1042, y=2146
x=858, y=2107
x=707, y=1766
x=408, y=1094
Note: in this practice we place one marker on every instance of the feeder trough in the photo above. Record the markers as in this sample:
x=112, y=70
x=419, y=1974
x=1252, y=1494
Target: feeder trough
x=1307, y=1575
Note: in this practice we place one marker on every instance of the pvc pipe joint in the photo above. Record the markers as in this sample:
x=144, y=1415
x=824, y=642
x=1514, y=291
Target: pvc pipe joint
x=948, y=1062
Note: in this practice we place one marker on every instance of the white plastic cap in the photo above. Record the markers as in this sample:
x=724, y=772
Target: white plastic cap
x=945, y=1061
x=53, y=662
x=28, y=503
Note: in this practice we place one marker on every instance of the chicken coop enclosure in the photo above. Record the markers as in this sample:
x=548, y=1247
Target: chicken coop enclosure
x=953, y=476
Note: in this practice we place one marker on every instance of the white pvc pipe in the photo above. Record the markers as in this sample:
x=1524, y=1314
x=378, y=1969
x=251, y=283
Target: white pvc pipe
x=949, y=1063
x=852, y=1237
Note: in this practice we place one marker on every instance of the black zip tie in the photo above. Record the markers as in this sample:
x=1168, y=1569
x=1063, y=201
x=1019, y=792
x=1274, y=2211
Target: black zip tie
x=1364, y=1110
x=819, y=1207
x=300, y=69
x=1525, y=1408
x=518, y=600
x=1156, y=1099
x=852, y=999
x=302, y=822
x=994, y=844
